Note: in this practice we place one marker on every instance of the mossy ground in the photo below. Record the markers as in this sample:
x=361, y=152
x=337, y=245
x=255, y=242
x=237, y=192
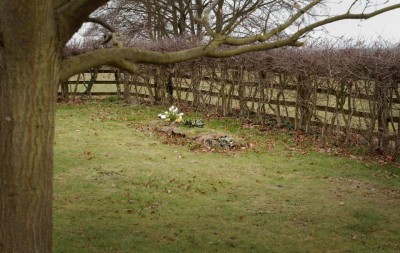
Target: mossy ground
x=119, y=188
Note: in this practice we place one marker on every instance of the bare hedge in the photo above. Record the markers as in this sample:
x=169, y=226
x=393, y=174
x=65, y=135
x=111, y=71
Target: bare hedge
x=332, y=90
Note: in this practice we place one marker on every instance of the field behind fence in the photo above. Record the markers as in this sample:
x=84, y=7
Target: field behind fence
x=347, y=92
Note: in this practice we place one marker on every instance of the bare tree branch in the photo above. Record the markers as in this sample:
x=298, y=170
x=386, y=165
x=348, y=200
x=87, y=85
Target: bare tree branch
x=345, y=16
x=122, y=57
x=255, y=47
x=273, y=32
x=102, y=23
x=126, y=58
x=72, y=15
x=205, y=20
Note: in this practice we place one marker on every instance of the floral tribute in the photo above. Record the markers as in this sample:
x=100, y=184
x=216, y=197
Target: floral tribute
x=172, y=115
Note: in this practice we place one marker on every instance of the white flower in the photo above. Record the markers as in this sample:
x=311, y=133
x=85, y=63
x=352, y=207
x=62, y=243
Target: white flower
x=162, y=116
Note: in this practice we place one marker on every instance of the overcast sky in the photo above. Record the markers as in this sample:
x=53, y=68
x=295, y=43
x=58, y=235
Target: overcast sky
x=386, y=26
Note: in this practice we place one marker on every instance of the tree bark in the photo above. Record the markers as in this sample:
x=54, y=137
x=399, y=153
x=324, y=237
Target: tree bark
x=30, y=64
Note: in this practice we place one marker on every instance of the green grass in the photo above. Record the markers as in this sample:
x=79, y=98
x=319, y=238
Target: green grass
x=118, y=188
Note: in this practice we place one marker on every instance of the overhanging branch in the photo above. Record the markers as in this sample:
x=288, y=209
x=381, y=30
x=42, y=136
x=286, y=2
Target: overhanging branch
x=255, y=47
x=73, y=14
x=126, y=58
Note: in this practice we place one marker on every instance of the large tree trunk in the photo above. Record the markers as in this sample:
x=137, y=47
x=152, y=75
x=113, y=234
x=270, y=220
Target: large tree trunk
x=30, y=63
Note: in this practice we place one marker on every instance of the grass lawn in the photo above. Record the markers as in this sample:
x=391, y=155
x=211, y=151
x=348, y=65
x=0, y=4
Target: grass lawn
x=119, y=188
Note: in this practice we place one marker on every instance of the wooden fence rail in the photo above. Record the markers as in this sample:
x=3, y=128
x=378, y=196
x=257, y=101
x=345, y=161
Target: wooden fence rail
x=346, y=105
